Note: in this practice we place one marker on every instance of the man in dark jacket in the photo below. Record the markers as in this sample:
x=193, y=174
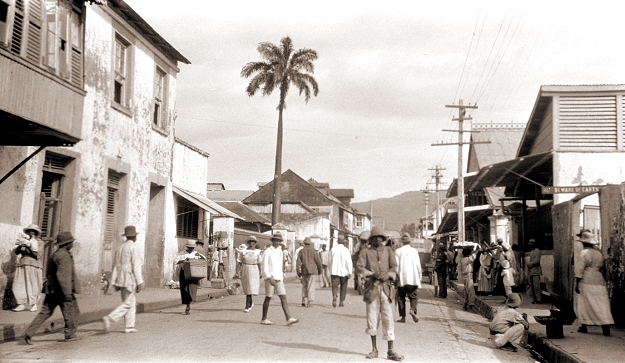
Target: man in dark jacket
x=308, y=267
x=378, y=266
x=59, y=287
x=441, y=270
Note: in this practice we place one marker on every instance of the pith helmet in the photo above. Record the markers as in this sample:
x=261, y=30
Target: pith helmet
x=377, y=232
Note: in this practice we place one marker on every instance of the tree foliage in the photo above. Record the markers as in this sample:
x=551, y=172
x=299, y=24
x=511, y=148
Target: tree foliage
x=410, y=228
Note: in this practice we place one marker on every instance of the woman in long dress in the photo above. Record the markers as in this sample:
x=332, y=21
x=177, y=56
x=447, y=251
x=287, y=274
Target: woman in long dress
x=28, y=276
x=188, y=288
x=249, y=261
x=484, y=277
x=592, y=305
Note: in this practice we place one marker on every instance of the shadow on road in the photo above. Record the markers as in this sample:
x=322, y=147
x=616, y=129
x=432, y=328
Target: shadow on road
x=311, y=347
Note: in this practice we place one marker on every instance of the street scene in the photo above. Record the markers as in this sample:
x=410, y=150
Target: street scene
x=338, y=181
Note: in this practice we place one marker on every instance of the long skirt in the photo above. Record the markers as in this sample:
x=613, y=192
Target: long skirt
x=188, y=289
x=250, y=279
x=592, y=306
x=484, y=281
x=27, y=284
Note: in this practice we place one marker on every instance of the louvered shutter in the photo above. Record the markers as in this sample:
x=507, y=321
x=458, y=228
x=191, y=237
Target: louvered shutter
x=18, y=27
x=588, y=123
x=33, y=46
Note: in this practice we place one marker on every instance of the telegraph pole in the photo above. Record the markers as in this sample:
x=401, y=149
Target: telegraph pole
x=426, y=198
x=462, y=111
x=437, y=182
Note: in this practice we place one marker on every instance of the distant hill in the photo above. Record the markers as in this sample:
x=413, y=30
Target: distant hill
x=401, y=209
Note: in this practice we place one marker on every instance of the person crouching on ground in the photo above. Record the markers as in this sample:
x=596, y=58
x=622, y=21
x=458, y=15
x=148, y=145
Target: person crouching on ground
x=507, y=325
x=379, y=268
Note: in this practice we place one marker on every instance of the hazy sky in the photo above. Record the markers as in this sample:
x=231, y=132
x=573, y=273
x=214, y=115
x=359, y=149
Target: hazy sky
x=386, y=70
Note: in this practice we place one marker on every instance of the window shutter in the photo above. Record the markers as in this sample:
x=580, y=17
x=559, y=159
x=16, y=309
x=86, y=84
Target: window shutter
x=588, y=123
x=55, y=163
x=18, y=27
x=33, y=46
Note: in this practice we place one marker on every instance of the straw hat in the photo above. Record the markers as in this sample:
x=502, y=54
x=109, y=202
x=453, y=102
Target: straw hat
x=242, y=247
x=64, y=238
x=251, y=239
x=277, y=236
x=514, y=300
x=588, y=237
x=33, y=227
x=130, y=231
x=190, y=243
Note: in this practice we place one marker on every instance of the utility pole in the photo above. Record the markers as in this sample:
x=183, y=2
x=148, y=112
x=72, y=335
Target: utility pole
x=437, y=182
x=426, y=198
x=460, y=181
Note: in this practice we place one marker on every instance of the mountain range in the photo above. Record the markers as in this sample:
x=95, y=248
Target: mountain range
x=394, y=212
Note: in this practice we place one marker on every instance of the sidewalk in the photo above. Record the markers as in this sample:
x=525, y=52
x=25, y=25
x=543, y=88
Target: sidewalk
x=573, y=348
x=94, y=307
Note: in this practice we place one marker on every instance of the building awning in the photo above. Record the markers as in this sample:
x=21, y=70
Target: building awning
x=537, y=169
x=18, y=131
x=205, y=203
x=472, y=215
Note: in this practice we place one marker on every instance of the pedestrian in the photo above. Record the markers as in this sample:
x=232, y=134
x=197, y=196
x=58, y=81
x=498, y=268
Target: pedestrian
x=325, y=262
x=341, y=267
x=508, y=274
x=128, y=280
x=535, y=271
x=240, y=251
x=466, y=270
x=440, y=268
x=409, y=278
x=378, y=266
x=300, y=247
x=287, y=257
x=362, y=244
x=188, y=287
x=250, y=272
x=484, y=276
x=274, y=279
x=60, y=286
x=28, y=274
x=309, y=266
x=507, y=325
x=215, y=255
x=591, y=301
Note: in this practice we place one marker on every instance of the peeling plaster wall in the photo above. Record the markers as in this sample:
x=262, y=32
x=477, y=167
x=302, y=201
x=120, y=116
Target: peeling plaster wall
x=573, y=169
x=190, y=169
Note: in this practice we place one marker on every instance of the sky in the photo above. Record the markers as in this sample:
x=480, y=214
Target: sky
x=386, y=70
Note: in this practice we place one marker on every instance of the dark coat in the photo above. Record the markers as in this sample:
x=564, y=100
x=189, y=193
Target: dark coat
x=60, y=274
x=380, y=261
x=308, y=261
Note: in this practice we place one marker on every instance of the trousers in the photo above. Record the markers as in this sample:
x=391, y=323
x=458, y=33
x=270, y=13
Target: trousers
x=68, y=308
x=513, y=335
x=411, y=292
x=339, y=285
x=380, y=310
x=127, y=309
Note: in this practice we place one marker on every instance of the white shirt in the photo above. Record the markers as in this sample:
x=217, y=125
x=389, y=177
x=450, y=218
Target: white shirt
x=340, y=261
x=408, y=266
x=272, y=263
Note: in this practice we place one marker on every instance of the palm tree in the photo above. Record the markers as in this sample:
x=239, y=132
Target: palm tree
x=280, y=67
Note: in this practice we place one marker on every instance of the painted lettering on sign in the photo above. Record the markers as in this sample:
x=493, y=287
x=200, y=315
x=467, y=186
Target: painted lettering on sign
x=571, y=189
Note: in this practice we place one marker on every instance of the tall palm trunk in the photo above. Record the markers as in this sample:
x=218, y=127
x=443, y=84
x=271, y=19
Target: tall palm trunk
x=277, y=185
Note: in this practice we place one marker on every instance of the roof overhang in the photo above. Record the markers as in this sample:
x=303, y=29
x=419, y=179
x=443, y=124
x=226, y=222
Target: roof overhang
x=205, y=203
x=18, y=131
x=472, y=215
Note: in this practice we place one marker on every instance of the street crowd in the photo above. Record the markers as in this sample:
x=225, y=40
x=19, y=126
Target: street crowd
x=384, y=272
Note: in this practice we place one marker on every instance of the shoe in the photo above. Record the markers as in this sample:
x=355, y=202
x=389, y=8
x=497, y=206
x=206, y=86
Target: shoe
x=266, y=322
x=187, y=311
x=509, y=347
x=70, y=339
x=582, y=329
x=292, y=321
x=131, y=330
x=341, y=304
x=413, y=313
x=247, y=310
x=606, y=330
x=27, y=340
x=20, y=307
x=33, y=308
x=393, y=355
x=334, y=302
x=106, y=324
x=401, y=320
x=252, y=306
x=372, y=354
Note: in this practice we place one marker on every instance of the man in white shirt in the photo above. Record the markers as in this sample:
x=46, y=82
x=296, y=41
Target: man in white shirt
x=273, y=273
x=341, y=266
x=408, y=278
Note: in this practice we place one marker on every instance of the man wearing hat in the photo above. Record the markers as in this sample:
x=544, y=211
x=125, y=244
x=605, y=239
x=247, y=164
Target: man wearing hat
x=507, y=325
x=378, y=266
x=273, y=273
x=188, y=288
x=408, y=278
x=128, y=280
x=534, y=271
x=340, y=270
x=59, y=287
x=308, y=267
x=28, y=274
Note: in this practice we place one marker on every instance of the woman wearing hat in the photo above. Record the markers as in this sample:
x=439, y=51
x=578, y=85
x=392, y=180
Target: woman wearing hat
x=249, y=261
x=28, y=275
x=591, y=302
x=188, y=288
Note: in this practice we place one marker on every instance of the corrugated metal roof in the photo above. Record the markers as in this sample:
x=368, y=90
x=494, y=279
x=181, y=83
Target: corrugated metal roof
x=247, y=213
x=228, y=195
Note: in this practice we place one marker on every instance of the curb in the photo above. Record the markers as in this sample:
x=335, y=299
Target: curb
x=539, y=345
x=12, y=331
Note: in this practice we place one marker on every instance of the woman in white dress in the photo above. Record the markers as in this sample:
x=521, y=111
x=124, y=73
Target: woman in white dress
x=592, y=305
x=249, y=261
x=28, y=276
